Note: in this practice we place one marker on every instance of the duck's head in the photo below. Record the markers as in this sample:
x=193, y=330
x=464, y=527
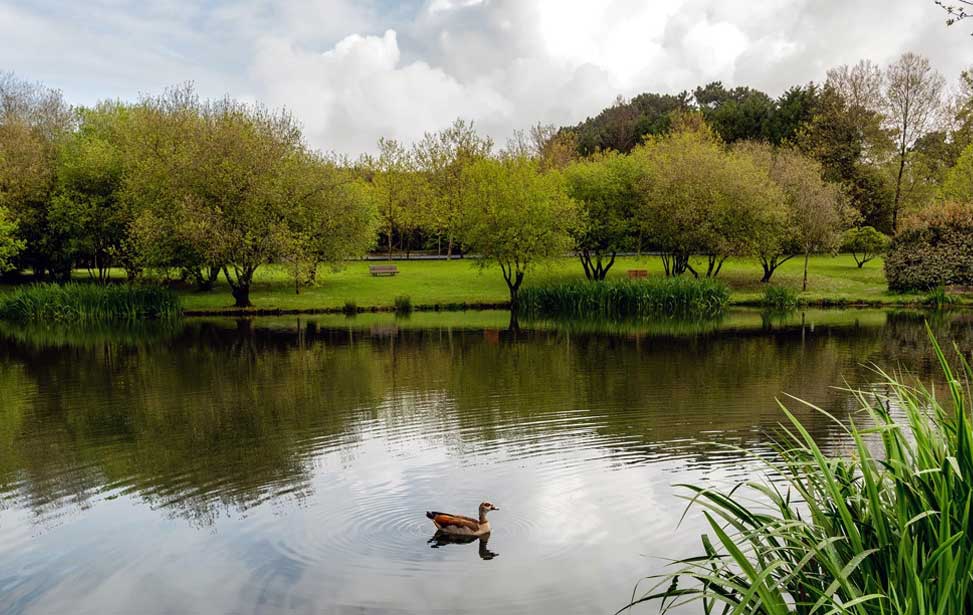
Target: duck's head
x=486, y=507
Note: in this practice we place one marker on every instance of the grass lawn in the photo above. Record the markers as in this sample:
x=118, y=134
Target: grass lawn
x=428, y=283
x=831, y=280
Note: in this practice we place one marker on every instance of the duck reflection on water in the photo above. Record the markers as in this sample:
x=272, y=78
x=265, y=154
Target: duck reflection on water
x=441, y=539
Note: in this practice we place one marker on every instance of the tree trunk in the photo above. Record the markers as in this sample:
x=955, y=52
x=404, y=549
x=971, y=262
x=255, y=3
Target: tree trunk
x=390, y=242
x=768, y=271
x=449, y=247
x=241, y=296
x=898, y=192
x=807, y=255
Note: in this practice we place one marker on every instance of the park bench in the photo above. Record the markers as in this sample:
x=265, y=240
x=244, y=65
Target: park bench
x=638, y=273
x=383, y=270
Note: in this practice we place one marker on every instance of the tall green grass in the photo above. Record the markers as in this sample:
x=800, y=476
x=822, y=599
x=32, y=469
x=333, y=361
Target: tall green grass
x=88, y=303
x=625, y=298
x=888, y=529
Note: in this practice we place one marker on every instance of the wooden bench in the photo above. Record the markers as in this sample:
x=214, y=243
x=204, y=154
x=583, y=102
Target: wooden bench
x=383, y=270
x=638, y=273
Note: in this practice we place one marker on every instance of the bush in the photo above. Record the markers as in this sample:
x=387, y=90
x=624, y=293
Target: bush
x=350, y=308
x=780, y=298
x=403, y=304
x=88, y=303
x=864, y=243
x=625, y=298
x=881, y=529
x=934, y=248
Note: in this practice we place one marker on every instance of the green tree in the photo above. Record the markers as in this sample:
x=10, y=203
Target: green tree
x=958, y=185
x=398, y=188
x=603, y=186
x=515, y=216
x=34, y=121
x=864, y=243
x=87, y=207
x=10, y=245
x=443, y=158
x=738, y=114
x=699, y=199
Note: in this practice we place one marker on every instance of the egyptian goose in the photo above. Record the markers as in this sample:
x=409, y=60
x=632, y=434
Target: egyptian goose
x=458, y=525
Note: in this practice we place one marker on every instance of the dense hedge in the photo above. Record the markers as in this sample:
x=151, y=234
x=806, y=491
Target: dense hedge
x=934, y=248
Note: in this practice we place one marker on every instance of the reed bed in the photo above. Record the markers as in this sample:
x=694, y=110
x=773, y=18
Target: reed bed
x=886, y=530
x=88, y=303
x=625, y=299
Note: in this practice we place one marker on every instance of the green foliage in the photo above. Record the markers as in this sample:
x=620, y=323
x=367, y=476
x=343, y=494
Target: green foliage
x=350, y=308
x=882, y=529
x=516, y=216
x=939, y=298
x=87, y=303
x=958, y=185
x=604, y=186
x=697, y=198
x=403, y=304
x=623, y=298
x=780, y=298
x=934, y=248
x=864, y=243
x=10, y=245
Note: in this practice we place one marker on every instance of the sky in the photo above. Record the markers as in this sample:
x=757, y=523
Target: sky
x=353, y=71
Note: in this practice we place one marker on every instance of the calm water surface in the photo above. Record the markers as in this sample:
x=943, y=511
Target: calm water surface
x=283, y=465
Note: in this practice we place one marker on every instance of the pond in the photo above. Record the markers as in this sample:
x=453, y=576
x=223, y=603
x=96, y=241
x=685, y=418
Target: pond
x=283, y=465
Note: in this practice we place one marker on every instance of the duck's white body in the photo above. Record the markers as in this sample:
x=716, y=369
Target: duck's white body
x=458, y=525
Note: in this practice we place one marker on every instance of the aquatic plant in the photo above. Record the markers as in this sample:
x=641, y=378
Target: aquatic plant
x=88, y=303
x=779, y=298
x=350, y=308
x=626, y=298
x=885, y=530
x=939, y=298
x=403, y=304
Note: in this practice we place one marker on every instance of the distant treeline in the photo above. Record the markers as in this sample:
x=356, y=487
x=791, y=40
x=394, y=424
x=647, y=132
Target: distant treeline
x=172, y=186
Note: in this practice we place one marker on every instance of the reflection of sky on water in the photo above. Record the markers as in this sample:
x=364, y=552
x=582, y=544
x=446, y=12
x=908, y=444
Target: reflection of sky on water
x=233, y=470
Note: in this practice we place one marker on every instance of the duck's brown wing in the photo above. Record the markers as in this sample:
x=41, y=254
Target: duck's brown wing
x=444, y=520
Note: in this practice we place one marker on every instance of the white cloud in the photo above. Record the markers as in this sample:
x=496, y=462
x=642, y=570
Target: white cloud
x=356, y=70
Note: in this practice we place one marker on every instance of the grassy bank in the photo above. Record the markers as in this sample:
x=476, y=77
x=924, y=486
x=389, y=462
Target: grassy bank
x=833, y=280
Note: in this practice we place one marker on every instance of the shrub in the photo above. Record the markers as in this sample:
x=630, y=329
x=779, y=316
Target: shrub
x=780, y=298
x=939, y=298
x=934, y=248
x=882, y=529
x=626, y=298
x=864, y=243
x=350, y=308
x=403, y=304
x=88, y=303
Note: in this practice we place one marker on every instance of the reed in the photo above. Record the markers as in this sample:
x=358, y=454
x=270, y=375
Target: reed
x=625, y=298
x=779, y=298
x=88, y=303
x=403, y=304
x=885, y=530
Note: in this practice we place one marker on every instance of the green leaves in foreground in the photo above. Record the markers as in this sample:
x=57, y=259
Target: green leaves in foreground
x=886, y=531
x=88, y=303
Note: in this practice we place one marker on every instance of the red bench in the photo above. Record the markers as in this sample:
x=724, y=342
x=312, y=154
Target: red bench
x=638, y=273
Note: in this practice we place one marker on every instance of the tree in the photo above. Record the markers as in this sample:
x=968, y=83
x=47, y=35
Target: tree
x=738, y=114
x=10, y=245
x=864, y=243
x=516, y=216
x=698, y=199
x=913, y=107
x=398, y=187
x=603, y=186
x=625, y=124
x=794, y=109
x=87, y=207
x=34, y=121
x=443, y=157
x=956, y=12
x=958, y=185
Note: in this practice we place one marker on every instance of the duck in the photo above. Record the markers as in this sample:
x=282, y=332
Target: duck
x=458, y=525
